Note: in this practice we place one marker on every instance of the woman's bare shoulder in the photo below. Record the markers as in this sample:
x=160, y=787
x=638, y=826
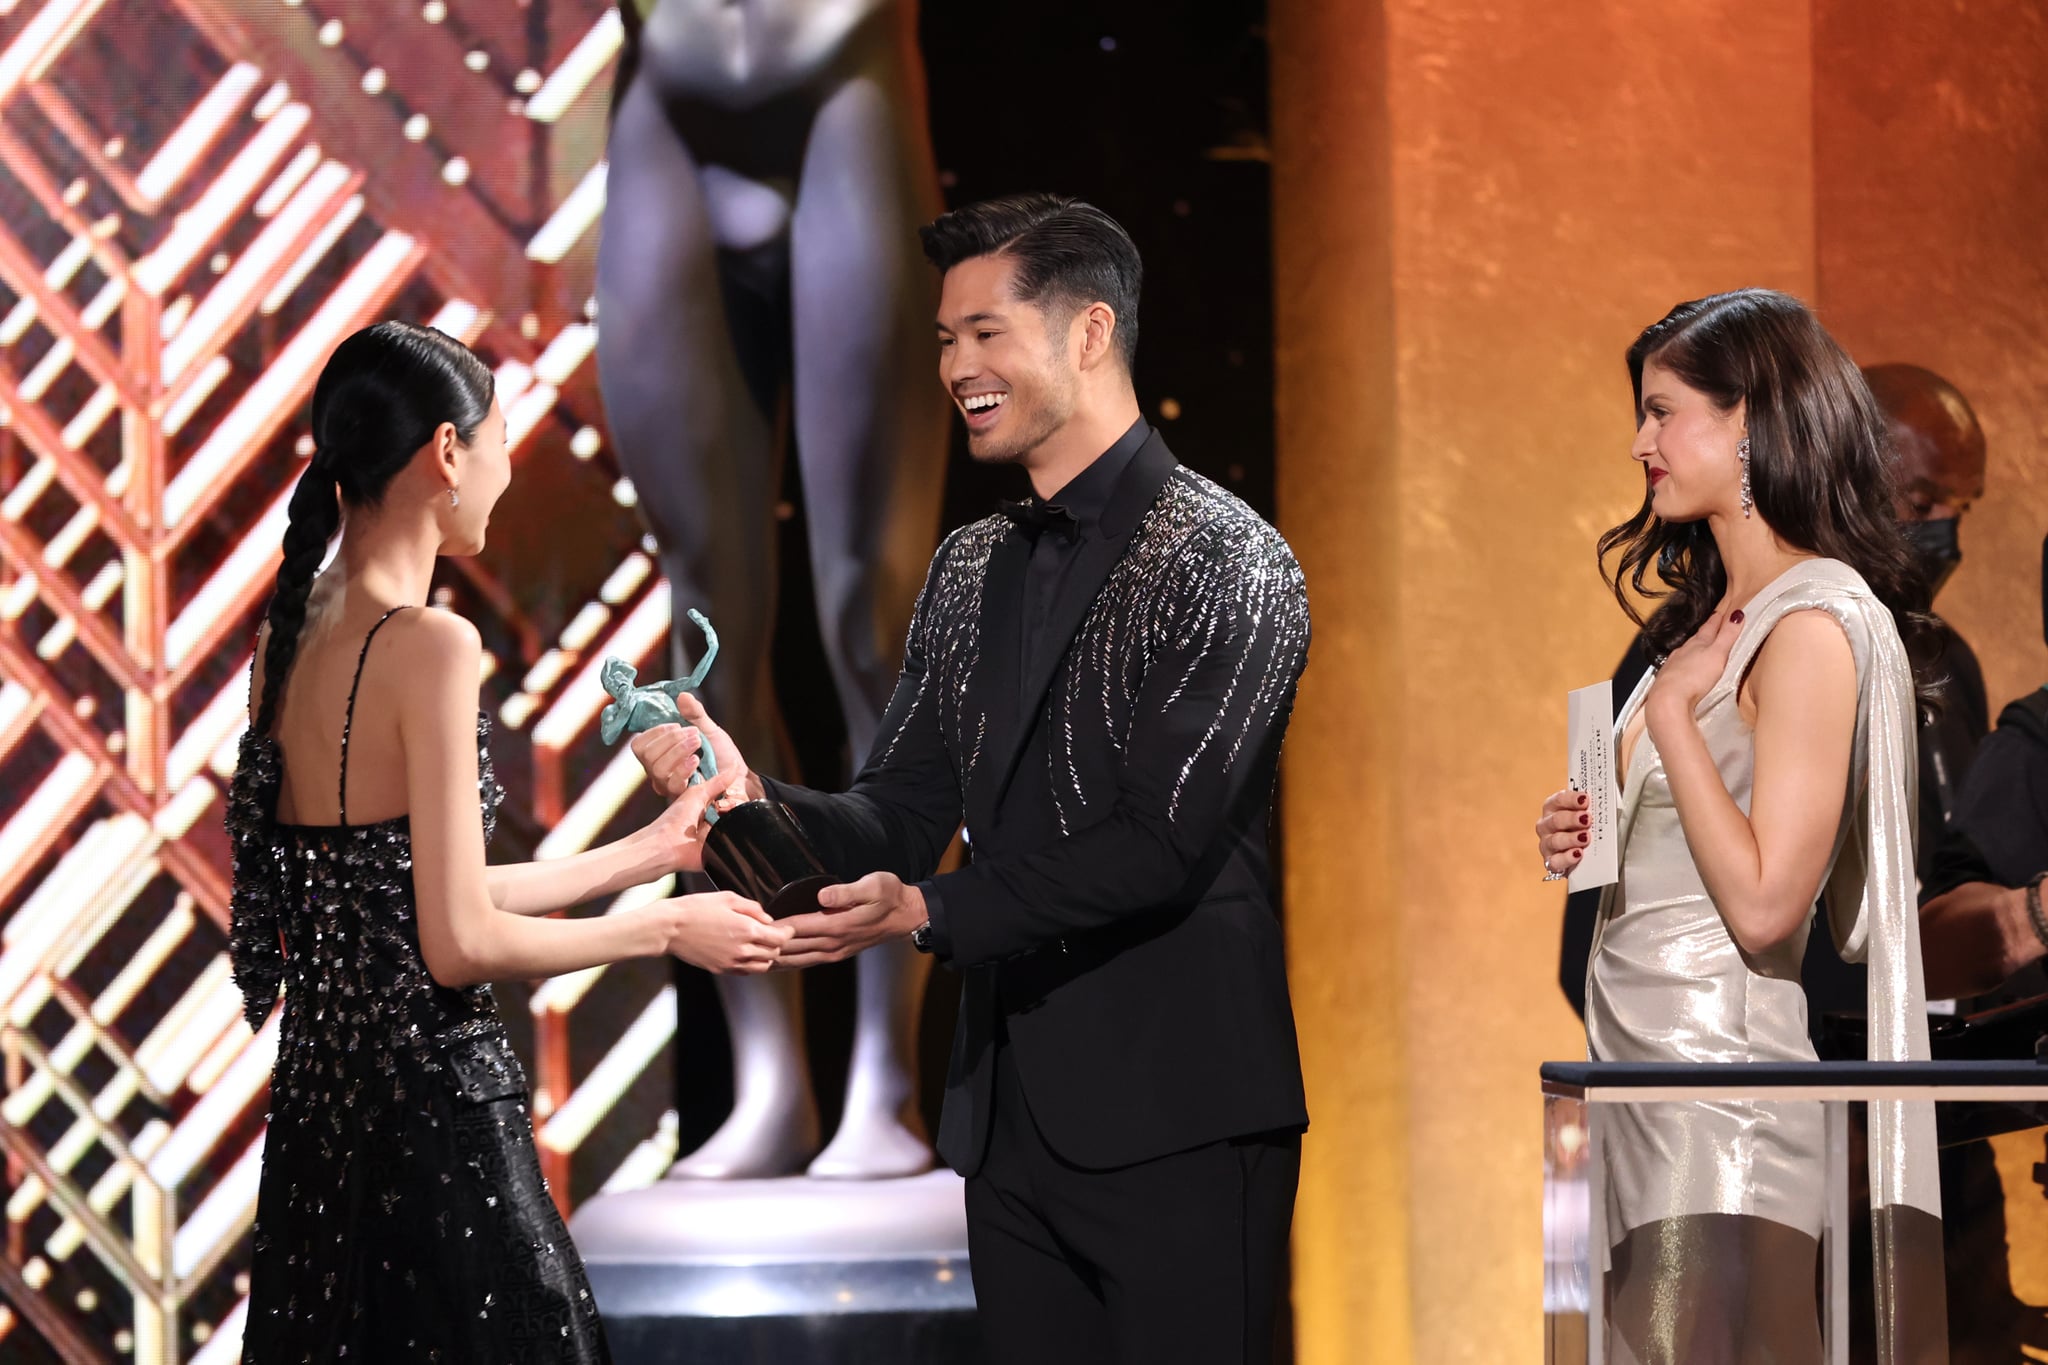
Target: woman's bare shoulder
x=431, y=665
x=1808, y=647
x=428, y=635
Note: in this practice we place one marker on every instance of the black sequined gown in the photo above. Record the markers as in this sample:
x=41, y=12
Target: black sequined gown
x=402, y=1215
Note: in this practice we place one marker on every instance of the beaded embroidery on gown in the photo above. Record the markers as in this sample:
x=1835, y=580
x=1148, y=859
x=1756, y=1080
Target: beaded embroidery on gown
x=402, y=1215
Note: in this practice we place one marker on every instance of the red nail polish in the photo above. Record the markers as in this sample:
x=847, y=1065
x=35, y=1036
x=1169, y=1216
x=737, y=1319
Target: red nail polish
x=1583, y=838
x=1585, y=820
x=1737, y=617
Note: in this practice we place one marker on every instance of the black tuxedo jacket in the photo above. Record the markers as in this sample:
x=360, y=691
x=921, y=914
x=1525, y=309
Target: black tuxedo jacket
x=1115, y=920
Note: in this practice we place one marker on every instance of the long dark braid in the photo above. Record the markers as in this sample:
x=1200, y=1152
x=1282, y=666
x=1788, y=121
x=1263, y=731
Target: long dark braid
x=381, y=397
x=315, y=516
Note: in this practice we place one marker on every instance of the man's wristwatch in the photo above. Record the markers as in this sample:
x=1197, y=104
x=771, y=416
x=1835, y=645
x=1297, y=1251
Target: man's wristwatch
x=2039, y=921
x=921, y=937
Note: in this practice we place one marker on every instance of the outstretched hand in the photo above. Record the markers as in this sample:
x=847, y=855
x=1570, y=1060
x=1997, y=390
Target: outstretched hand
x=679, y=831
x=721, y=932
x=670, y=754
x=855, y=916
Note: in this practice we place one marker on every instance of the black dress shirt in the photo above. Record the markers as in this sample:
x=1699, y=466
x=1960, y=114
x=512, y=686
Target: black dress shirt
x=1052, y=554
x=1075, y=514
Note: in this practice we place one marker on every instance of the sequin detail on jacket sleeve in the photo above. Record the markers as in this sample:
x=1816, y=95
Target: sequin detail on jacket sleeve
x=1242, y=596
x=1164, y=725
x=1205, y=579
x=945, y=641
x=255, y=949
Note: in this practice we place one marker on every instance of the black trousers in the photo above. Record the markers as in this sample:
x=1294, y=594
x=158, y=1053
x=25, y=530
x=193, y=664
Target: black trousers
x=1181, y=1259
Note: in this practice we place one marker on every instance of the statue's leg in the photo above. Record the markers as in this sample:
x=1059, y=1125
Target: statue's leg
x=881, y=1134
x=871, y=426
x=690, y=365
x=690, y=354
x=773, y=1128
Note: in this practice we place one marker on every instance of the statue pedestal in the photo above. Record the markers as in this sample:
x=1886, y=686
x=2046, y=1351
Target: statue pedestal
x=855, y=1272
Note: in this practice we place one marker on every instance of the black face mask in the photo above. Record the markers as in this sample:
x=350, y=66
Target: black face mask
x=1936, y=550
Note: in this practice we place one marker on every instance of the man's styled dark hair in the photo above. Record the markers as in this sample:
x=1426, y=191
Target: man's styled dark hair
x=1068, y=254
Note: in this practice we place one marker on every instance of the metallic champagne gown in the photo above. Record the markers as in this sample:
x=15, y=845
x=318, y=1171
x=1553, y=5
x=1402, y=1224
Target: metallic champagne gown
x=1667, y=983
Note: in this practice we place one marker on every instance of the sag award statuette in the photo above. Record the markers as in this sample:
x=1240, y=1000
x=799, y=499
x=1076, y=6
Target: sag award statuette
x=754, y=849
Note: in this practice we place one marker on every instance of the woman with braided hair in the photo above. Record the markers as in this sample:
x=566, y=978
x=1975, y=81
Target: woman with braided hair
x=402, y=1215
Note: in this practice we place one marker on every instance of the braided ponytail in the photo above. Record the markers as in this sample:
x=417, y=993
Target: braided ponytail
x=315, y=515
x=381, y=396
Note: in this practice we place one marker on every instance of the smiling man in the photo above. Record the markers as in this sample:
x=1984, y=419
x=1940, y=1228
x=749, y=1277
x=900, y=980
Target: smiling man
x=1097, y=682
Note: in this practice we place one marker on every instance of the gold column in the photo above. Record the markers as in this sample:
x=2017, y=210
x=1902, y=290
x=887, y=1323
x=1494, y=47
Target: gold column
x=1476, y=208
x=1339, y=497
x=1931, y=133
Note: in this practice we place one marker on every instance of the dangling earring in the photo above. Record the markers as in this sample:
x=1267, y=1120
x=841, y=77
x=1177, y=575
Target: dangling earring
x=1743, y=451
x=455, y=499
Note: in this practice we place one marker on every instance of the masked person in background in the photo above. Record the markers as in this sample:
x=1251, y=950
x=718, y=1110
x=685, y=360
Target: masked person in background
x=1986, y=937
x=1940, y=450
x=1981, y=904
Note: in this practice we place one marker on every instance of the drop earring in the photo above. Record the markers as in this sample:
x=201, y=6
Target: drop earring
x=455, y=499
x=1743, y=452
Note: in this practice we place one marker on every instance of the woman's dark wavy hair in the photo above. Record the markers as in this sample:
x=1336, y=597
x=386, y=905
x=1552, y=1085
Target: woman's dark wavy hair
x=382, y=395
x=1821, y=467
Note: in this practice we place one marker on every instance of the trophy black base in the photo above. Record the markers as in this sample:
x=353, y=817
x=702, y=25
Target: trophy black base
x=798, y=898
x=827, y=1272
x=757, y=850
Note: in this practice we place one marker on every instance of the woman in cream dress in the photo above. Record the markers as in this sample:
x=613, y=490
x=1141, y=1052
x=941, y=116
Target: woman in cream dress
x=1767, y=759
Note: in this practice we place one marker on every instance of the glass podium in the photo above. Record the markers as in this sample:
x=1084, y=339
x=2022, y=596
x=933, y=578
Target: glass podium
x=1591, y=1117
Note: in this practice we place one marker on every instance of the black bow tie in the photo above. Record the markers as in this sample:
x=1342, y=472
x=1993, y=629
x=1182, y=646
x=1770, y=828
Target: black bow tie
x=1032, y=517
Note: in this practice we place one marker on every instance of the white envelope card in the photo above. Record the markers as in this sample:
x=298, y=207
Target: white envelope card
x=1590, y=723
